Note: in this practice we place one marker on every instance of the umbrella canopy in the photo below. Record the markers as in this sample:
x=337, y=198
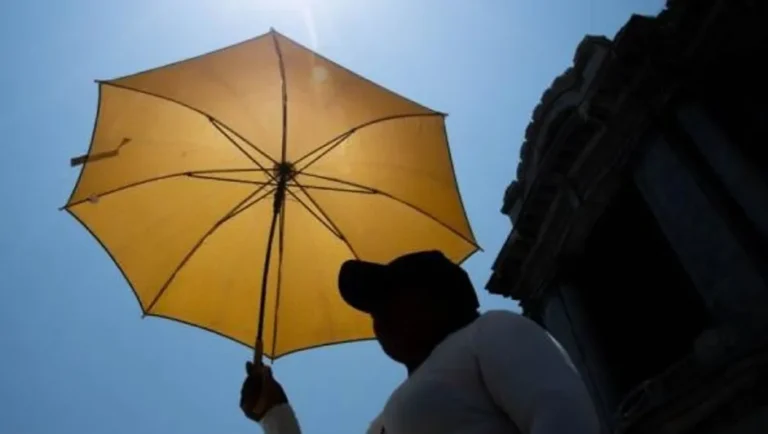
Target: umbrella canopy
x=230, y=187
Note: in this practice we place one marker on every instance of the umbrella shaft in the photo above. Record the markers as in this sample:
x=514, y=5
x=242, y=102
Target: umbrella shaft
x=277, y=208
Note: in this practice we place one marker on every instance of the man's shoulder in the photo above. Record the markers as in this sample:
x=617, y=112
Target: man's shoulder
x=502, y=325
x=376, y=426
x=504, y=322
x=501, y=317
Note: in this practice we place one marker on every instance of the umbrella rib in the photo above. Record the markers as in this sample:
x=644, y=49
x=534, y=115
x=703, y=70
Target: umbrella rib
x=230, y=214
x=254, y=202
x=327, y=225
x=396, y=199
x=234, y=180
x=336, y=189
x=220, y=128
x=165, y=98
x=187, y=59
x=213, y=171
x=154, y=179
x=336, y=141
x=123, y=188
x=361, y=187
x=284, y=90
x=456, y=183
x=326, y=148
x=335, y=228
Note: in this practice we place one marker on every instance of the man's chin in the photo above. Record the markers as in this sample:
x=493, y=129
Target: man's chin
x=399, y=355
x=393, y=353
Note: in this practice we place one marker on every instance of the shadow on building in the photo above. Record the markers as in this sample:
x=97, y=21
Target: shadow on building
x=640, y=220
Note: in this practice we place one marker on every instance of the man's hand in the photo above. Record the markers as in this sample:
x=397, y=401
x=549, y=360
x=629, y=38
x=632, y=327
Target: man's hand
x=260, y=392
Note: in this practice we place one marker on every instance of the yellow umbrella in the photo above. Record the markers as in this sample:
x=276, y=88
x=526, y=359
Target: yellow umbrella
x=230, y=187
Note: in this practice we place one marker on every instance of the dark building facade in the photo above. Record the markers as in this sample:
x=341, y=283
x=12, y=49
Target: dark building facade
x=640, y=220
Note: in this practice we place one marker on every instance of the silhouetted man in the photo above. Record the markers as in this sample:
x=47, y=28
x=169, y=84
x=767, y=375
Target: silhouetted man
x=493, y=373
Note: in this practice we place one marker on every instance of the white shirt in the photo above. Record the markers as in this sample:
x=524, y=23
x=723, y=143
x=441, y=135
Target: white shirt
x=502, y=374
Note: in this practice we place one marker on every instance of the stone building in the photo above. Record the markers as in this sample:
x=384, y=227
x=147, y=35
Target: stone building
x=640, y=220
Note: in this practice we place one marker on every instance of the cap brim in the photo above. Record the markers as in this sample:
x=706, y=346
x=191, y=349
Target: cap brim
x=362, y=284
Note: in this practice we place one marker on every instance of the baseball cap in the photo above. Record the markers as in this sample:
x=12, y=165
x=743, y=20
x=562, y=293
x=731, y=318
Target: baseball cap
x=364, y=285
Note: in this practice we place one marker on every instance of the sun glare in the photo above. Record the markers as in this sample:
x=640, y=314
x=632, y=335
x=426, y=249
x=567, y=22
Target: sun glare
x=271, y=5
x=303, y=9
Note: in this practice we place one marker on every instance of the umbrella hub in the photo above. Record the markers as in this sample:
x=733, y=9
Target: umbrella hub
x=284, y=171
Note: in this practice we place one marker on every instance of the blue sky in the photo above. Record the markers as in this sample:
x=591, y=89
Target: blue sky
x=75, y=357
